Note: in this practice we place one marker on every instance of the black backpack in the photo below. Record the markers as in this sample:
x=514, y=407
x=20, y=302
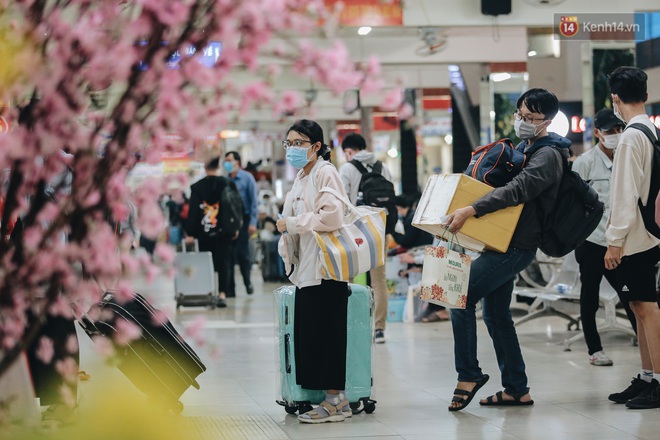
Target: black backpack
x=497, y=163
x=574, y=216
x=223, y=213
x=378, y=192
x=232, y=211
x=648, y=210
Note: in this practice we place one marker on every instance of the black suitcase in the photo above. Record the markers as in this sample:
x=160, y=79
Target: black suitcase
x=272, y=265
x=159, y=363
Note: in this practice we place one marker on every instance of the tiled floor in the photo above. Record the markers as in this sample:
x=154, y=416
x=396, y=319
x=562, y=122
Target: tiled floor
x=413, y=380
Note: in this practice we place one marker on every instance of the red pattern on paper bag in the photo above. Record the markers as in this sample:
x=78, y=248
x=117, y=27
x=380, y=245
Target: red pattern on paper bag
x=437, y=252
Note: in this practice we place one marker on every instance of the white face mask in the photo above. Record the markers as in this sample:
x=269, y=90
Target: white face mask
x=610, y=141
x=525, y=130
x=617, y=113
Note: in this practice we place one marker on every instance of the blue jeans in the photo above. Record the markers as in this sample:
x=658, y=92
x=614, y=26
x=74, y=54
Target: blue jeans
x=492, y=276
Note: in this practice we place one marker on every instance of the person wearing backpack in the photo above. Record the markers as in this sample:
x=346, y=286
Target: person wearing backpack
x=632, y=248
x=247, y=186
x=359, y=166
x=595, y=166
x=492, y=275
x=204, y=224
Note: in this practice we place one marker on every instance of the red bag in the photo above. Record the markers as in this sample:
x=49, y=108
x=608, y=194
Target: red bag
x=184, y=210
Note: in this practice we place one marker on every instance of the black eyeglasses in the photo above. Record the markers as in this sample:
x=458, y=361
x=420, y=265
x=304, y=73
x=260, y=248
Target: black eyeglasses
x=527, y=119
x=296, y=143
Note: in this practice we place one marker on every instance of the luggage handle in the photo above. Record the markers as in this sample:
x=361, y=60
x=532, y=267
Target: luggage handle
x=183, y=246
x=287, y=347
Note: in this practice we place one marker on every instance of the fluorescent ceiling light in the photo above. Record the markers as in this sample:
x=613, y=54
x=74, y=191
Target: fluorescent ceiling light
x=559, y=124
x=531, y=53
x=503, y=76
x=364, y=30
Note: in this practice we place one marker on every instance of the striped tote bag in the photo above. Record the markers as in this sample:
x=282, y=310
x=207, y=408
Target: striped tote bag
x=357, y=247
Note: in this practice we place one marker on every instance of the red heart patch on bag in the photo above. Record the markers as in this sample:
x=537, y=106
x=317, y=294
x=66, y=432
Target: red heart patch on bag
x=359, y=241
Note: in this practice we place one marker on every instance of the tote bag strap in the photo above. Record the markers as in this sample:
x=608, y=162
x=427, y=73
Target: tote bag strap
x=341, y=197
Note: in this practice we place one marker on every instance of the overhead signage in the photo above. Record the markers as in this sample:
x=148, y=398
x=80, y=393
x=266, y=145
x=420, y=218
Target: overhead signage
x=369, y=12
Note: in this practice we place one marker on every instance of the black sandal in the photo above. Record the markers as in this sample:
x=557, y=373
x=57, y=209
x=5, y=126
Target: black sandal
x=501, y=402
x=459, y=393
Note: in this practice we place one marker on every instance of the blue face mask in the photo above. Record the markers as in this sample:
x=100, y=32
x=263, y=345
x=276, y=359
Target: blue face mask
x=297, y=157
x=229, y=166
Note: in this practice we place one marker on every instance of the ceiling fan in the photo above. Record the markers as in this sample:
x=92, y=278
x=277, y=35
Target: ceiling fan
x=433, y=42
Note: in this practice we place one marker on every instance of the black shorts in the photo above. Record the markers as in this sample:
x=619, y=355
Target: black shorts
x=637, y=275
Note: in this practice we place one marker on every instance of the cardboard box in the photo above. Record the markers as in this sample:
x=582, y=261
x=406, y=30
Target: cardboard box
x=445, y=193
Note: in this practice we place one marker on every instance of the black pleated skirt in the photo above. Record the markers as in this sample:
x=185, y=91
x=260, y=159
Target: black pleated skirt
x=319, y=333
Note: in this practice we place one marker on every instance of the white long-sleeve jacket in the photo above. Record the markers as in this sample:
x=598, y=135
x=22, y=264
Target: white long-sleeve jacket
x=307, y=210
x=631, y=180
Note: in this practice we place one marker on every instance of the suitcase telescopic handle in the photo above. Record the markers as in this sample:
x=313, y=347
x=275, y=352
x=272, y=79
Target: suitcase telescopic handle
x=287, y=347
x=184, y=249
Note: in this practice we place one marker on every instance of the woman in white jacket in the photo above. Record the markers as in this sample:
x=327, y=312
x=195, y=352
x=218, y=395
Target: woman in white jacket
x=320, y=323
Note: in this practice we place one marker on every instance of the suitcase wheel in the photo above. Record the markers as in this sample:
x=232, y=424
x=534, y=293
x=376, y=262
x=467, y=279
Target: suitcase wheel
x=166, y=404
x=177, y=407
x=290, y=409
x=366, y=405
x=305, y=407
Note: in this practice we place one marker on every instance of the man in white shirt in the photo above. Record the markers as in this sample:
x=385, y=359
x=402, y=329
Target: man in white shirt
x=595, y=166
x=631, y=247
x=355, y=147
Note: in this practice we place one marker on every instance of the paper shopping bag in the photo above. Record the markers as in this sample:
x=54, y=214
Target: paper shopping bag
x=415, y=308
x=445, y=277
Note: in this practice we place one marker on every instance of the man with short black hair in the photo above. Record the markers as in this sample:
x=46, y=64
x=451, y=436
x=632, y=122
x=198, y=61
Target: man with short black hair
x=631, y=247
x=492, y=275
x=202, y=218
x=595, y=166
x=247, y=186
x=355, y=148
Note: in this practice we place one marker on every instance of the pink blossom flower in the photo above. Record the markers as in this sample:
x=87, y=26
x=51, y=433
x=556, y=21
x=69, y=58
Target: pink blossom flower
x=103, y=346
x=392, y=99
x=164, y=253
x=72, y=344
x=159, y=317
x=98, y=47
x=195, y=330
x=126, y=332
x=67, y=396
x=124, y=292
x=68, y=369
x=45, y=350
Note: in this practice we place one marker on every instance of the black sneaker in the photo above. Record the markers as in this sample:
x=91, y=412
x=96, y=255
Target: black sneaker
x=637, y=385
x=649, y=398
x=250, y=289
x=220, y=303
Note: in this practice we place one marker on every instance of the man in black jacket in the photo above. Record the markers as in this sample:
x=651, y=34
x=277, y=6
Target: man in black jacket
x=202, y=222
x=492, y=274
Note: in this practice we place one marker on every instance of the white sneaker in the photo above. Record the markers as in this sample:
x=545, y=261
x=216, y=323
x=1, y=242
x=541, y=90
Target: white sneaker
x=379, y=336
x=600, y=359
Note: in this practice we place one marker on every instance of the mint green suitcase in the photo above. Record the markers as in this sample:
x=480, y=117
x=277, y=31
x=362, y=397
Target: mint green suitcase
x=358, y=352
